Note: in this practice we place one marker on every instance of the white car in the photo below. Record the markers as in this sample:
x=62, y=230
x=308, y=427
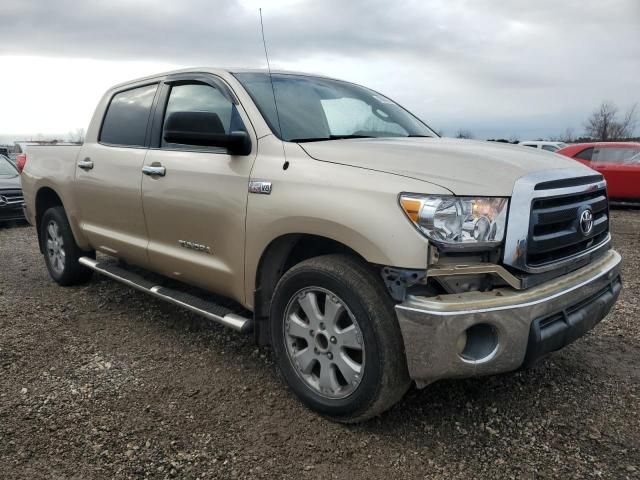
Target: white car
x=549, y=146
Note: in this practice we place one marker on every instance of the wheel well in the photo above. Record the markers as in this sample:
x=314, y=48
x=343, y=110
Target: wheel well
x=282, y=254
x=45, y=199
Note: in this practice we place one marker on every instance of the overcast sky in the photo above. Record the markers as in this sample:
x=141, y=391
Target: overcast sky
x=496, y=68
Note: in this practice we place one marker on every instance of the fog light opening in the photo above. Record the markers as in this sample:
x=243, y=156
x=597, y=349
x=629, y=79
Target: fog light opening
x=480, y=343
x=462, y=342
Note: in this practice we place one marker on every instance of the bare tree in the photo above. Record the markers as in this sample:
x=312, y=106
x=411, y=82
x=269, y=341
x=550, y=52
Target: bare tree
x=629, y=122
x=568, y=136
x=464, y=134
x=604, y=123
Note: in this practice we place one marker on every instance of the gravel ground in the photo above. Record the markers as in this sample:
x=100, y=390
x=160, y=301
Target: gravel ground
x=101, y=381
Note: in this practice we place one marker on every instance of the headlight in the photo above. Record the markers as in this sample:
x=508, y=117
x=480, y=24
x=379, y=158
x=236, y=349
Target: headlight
x=457, y=221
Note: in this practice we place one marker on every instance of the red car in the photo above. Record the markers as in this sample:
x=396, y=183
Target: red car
x=619, y=162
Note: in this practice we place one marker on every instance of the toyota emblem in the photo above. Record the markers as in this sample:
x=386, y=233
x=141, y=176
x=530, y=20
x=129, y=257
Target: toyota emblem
x=586, y=222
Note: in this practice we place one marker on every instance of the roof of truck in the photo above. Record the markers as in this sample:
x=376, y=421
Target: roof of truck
x=219, y=71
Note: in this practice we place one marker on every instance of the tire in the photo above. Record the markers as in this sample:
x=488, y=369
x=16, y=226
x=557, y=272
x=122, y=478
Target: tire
x=351, y=366
x=61, y=253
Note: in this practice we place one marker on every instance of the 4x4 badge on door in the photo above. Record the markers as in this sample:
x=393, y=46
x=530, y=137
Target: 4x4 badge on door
x=258, y=186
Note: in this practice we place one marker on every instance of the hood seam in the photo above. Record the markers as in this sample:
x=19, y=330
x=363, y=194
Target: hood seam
x=376, y=170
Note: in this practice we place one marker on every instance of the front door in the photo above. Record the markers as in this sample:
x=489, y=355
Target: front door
x=195, y=197
x=109, y=174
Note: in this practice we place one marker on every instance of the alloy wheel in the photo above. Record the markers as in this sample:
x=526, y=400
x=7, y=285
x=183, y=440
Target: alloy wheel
x=55, y=247
x=324, y=342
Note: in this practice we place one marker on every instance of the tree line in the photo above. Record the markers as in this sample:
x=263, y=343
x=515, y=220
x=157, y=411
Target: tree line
x=607, y=123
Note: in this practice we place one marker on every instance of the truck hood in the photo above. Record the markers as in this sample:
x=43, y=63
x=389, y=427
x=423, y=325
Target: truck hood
x=465, y=167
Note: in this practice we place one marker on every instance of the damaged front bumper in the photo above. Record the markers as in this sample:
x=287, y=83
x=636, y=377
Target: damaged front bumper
x=484, y=333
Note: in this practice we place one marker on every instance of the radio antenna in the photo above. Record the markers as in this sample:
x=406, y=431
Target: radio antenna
x=273, y=90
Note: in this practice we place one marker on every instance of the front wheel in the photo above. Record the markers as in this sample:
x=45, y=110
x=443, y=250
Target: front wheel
x=61, y=253
x=336, y=338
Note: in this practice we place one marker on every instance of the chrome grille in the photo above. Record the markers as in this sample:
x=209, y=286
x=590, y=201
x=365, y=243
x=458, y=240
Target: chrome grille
x=555, y=232
x=543, y=225
x=11, y=198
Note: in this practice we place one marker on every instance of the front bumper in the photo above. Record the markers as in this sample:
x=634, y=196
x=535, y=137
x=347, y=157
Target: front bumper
x=523, y=325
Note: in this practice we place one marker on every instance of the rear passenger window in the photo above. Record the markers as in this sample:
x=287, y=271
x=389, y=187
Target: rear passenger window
x=549, y=148
x=586, y=154
x=125, y=122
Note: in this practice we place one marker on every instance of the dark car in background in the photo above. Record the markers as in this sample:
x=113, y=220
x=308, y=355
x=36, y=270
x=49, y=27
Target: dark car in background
x=618, y=162
x=10, y=192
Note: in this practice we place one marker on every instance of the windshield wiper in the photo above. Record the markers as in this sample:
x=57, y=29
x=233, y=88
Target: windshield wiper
x=419, y=136
x=330, y=137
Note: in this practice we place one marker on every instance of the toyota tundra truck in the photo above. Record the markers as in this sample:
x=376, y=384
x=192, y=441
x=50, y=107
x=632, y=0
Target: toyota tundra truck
x=333, y=225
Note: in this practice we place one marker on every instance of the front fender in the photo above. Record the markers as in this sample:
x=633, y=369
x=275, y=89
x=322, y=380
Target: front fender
x=353, y=206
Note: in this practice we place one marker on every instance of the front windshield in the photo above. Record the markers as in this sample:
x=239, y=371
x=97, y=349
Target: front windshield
x=313, y=108
x=6, y=168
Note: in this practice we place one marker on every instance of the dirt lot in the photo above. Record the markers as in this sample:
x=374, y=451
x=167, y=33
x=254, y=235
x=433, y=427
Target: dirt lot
x=100, y=381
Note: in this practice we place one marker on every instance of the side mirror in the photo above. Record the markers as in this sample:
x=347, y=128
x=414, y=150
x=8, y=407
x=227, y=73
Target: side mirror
x=204, y=129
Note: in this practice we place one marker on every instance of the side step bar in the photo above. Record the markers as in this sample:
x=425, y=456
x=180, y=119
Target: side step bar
x=197, y=305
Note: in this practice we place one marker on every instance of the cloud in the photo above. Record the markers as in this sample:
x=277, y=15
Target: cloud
x=474, y=64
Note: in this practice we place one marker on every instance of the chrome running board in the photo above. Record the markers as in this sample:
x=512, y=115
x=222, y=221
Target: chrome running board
x=205, y=308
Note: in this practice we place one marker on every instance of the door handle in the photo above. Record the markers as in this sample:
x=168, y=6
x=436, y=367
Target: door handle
x=150, y=170
x=85, y=164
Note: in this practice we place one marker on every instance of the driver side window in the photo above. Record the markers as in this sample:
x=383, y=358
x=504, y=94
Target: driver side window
x=350, y=116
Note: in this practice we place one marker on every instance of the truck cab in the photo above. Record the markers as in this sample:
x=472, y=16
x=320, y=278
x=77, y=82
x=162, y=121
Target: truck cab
x=334, y=225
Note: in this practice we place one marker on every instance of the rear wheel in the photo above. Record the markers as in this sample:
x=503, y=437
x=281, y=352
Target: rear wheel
x=61, y=253
x=337, y=340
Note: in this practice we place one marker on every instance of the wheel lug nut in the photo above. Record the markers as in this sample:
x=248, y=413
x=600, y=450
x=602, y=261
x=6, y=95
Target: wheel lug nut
x=321, y=326
x=330, y=356
x=311, y=333
x=315, y=350
x=333, y=340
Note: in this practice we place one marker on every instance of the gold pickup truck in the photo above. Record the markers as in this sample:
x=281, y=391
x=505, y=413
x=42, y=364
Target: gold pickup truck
x=332, y=224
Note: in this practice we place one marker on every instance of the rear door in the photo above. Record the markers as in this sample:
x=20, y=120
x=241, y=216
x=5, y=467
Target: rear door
x=195, y=210
x=109, y=174
x=620, y=166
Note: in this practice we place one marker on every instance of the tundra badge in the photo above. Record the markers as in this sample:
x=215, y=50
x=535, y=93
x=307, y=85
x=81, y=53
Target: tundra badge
x=194, y=246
